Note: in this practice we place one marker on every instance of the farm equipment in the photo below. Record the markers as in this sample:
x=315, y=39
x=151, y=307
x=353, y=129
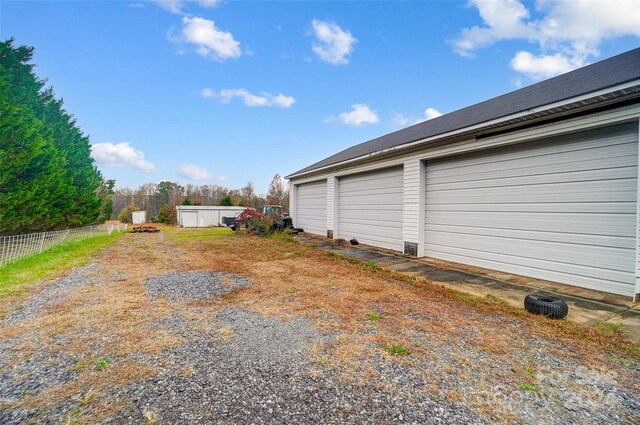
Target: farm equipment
x=271, y=215
x=145, y=229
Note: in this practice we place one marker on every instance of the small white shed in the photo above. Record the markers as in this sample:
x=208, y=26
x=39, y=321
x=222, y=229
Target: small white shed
x=139, y=217
x=205, y=216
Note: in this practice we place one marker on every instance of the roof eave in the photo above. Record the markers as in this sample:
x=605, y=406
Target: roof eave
x=571, y=105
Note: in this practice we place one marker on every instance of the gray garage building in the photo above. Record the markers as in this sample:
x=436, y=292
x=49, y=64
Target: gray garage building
x=541, y=182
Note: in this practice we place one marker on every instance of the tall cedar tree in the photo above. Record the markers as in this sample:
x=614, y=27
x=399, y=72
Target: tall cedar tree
x=47, y=177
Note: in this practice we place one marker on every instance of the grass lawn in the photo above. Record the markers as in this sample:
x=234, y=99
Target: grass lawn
x=196, y=235
x=50, y=263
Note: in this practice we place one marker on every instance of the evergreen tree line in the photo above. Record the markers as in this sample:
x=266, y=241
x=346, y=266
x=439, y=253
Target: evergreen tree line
x=48, y=179
x=159, y=200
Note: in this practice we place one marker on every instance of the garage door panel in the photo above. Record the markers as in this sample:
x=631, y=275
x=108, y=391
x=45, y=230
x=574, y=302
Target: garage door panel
x=371, y=229
x=562, y=209
x=599, y=191
x=311, y=207
x=383, y=215
x=598, y=224
x=583, y=176
x=600, y=139
x=189, y=218
x=625, y=242
x=373, y=201
x=503, y=261
x=570, y=253
x=541, y=270
x=542, y=207
x=379, y=187
x=596, y=158
x=370, y=207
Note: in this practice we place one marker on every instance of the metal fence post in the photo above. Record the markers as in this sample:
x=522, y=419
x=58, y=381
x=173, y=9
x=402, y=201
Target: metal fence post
x=42, y=241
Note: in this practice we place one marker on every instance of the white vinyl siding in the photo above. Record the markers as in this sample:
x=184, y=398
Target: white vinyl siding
x=370, y=208
x=311, y=207
x=412, y=186
x=562, y=209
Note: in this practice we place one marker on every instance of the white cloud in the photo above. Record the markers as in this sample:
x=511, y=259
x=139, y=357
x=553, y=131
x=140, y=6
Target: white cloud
x=210, y=41
x=431, y=113
x=120, y=155
x=542, y=66
x=263, y=99
x=173, y=6
x=177, y=6
x=207, y=93
x=360, y=114
x=332, y=44
x=400, y=120
x=194, y=172
x=210, y=3
x=568, y=34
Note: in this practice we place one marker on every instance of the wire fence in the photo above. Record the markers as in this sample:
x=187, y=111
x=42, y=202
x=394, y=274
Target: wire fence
x=13, y=248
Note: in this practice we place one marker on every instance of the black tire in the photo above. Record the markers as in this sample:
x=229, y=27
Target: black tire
x=277, y=227
x=549, y=306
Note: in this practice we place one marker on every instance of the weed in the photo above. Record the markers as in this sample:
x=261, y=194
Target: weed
x=289, y=291
x=498, y=300
x=396, y=350
x=230, y=296
x=529, y=371
x=528, y=387
x=613, y=328
x=313, y=245
x=81, y=365
x=465, y=296
x=374, y=316
x=87, y=398
x=102, y=363
x=370, y=265
x=226, y=332
x=150, y=417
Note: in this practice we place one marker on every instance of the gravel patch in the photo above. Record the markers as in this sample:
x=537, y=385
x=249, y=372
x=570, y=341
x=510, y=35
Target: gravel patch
x=195, y=285
x=256, y=369
x=57, y=291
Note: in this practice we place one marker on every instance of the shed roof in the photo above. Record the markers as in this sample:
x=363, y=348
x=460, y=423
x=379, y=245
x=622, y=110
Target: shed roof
x=598, y=76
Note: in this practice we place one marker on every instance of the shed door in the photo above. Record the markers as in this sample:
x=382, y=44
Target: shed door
x=311, y=208
x=370, y=208
x=563, y=209
x=189, y=218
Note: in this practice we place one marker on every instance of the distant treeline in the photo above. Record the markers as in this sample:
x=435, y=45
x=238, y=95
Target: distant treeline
x=47, y=177
x=159, y=200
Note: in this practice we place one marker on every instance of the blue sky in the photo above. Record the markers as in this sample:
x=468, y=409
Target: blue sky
x=226, y=92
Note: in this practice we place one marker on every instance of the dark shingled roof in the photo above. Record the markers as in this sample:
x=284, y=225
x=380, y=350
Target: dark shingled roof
x=600, y=75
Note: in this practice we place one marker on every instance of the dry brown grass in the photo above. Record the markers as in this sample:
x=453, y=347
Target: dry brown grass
x=292, y=280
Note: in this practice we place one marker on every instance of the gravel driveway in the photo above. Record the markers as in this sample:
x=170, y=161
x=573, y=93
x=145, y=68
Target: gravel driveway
x=173, y=343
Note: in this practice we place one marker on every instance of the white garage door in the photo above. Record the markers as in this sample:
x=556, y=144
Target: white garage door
x=311, y=207
x=370, y=208
x=189, y=218
x=562, y=210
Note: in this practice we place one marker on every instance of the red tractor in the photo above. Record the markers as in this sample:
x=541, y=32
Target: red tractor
x=255, y=220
